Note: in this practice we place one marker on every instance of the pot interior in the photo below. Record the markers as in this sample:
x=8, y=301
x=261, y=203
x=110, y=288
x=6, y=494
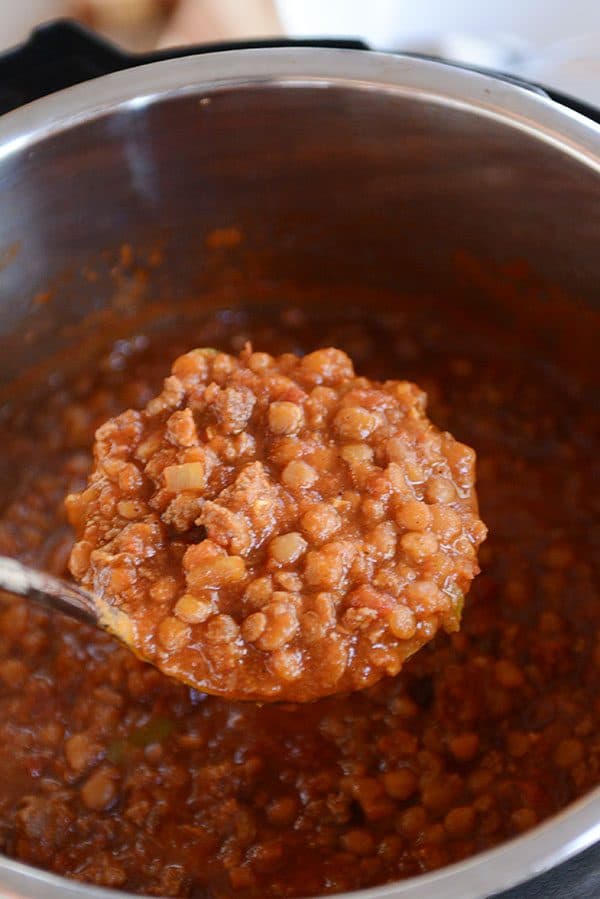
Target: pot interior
x=327, y=186
x=420, y=237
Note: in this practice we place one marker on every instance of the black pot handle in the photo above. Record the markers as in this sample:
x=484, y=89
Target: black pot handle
x=64, y=53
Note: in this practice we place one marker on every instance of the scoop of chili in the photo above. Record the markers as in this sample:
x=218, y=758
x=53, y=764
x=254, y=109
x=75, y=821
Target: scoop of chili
x=277, y=528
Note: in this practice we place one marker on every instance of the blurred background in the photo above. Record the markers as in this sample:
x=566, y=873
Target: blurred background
x=551, y=41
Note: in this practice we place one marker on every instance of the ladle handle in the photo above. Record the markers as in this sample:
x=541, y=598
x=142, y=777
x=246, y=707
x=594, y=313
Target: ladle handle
x=50, y=592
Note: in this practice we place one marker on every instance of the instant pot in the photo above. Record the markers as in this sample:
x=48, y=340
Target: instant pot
x=338, y=165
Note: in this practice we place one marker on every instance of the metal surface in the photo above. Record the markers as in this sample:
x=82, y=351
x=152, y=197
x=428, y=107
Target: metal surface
x=48, y=591
x=338, y=167
x=372, y=159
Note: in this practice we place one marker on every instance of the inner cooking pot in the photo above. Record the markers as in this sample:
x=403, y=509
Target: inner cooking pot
x=317, y=168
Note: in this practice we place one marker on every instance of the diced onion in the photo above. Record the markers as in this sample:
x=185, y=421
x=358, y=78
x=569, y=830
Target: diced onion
x=187, y=476
x=217, y=572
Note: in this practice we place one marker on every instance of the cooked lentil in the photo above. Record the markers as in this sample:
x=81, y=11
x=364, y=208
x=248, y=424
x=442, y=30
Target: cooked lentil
x=196, y=797
x=264, y=454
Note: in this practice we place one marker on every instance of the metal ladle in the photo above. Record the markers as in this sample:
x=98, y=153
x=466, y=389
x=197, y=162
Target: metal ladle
x=49, y=591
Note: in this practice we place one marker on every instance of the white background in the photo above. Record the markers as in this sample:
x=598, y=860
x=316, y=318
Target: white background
x=554, y=41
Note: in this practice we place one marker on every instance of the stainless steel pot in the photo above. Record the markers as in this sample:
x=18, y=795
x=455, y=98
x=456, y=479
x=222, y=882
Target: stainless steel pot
x=340, y=166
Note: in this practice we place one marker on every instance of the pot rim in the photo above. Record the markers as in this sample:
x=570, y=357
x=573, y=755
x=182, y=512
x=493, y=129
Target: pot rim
x=479, y=877
x=526, y=109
